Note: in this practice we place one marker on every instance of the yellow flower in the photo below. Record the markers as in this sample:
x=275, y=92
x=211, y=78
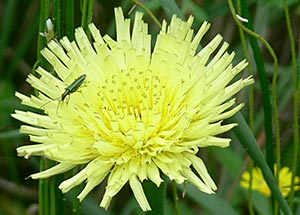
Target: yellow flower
x=259, y=184
x=139, y=113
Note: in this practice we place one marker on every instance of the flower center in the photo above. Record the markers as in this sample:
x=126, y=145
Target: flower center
x=130, y=105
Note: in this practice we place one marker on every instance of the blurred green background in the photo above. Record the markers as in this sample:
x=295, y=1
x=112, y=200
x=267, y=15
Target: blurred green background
x=19, y=32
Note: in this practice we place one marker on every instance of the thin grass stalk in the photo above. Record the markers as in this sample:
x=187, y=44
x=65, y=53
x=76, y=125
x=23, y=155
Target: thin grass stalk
x=148, y=12
x=43, y=191
x=276, y=121
x=262, y=76
x=75, y=202
x=61, y=204
x=175, y=198
x=82, y=8
x=56, y=199
x=69, y=19
x=251, y=108
x=264, y=83
x=43, y=183
x=76, y=205
x=90, y=11
x=57, y=17
x=44, y=15
x=295, y=103
x=53, y=197
x=87, y=7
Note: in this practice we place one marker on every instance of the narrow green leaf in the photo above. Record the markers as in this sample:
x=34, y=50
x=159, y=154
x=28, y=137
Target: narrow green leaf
x=87, y=13
x=69, y=19
x=57, y=18
x=264, y=87
x=248, y=141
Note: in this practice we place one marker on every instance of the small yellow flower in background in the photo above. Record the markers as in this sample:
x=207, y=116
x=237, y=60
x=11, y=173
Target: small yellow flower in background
x=138, y=113
x=259, y=184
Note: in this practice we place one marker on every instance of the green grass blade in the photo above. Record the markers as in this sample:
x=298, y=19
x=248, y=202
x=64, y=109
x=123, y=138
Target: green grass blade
x=87, y=13
x=57, y=18
x=248, y=141
x=295, y=158
x=69, y=19
x=264, y=87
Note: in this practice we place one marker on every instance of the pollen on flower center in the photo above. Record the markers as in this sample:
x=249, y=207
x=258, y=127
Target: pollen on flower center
x=130, y=106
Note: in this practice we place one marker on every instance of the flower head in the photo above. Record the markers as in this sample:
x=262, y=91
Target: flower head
x=137, y=113
x=259, y=184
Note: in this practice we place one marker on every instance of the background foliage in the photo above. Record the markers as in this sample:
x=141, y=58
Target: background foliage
x=20, y=39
